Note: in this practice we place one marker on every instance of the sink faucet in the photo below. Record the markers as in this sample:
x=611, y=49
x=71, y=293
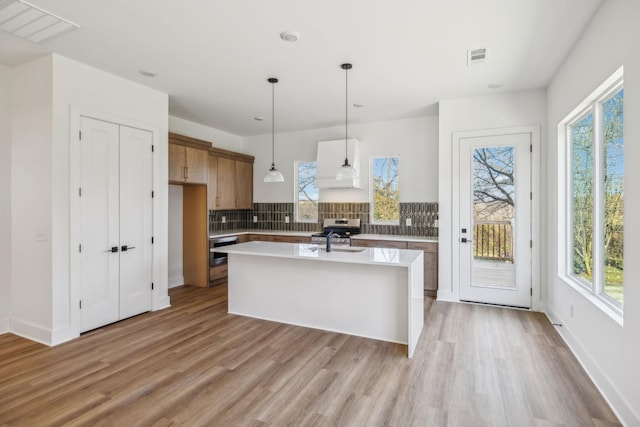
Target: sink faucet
x=329, y=236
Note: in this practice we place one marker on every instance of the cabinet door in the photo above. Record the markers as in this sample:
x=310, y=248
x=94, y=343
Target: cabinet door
x=197, y=164
x=212, y=185
x=430, y=265
x=177, y=163
x=379, y=243
x=244, y=185
x=226, y=183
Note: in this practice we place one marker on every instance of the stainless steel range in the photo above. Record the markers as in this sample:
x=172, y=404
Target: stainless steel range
x=341, y=230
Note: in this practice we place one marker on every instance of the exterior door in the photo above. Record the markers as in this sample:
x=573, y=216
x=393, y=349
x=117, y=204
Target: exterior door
x=495, y=219
x=116, y=222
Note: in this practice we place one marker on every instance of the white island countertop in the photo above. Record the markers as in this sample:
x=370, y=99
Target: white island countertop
x=345, y=254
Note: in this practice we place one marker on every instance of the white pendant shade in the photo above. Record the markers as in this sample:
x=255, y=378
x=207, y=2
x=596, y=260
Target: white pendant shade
x=273, y=175
x=346, y=172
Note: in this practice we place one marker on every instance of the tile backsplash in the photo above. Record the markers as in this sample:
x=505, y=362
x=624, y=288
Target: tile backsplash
x=272, y=216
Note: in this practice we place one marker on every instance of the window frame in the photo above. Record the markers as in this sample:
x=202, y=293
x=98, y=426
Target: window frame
x=296, y=193
x=594, y=291
x=371, y=191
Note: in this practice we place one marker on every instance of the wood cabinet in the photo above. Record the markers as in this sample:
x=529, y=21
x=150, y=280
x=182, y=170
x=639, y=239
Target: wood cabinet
x=396, y=244
x=430, y=265
x=230, y=184
x=195, y=245
x=187, y=160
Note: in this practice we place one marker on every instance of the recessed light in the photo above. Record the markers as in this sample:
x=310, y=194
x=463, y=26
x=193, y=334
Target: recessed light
x=258, y=118
x=147, y=73
x=359, y=105
x=494, y=85
x=290, y=36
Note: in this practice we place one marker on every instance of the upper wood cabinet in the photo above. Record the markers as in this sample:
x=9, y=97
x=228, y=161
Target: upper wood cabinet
x=230, y=181
x=188, y=160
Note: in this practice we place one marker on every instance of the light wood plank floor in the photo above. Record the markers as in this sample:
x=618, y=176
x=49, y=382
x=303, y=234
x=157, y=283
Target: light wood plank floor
x=194, y=364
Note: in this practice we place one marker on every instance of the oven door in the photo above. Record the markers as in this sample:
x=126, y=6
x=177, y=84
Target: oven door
x=217, y=258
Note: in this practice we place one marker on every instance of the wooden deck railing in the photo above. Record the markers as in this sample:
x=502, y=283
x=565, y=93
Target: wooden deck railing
x=493, y=240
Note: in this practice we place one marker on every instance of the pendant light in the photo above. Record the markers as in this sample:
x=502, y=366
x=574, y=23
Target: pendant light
x=346, y=171
x=273, y=175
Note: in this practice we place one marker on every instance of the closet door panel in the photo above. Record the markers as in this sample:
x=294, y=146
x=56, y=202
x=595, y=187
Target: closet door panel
x=99, y=228
x=136, y=206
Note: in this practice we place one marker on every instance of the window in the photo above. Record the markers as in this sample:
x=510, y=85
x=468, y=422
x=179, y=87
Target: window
x=385, y=192
x=594, y=214
x=306, y=192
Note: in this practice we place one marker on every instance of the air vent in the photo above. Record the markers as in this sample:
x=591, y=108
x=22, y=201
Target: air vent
x=25, y=20
x=476, y=56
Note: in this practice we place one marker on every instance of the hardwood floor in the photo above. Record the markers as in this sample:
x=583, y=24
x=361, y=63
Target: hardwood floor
x=194, y=364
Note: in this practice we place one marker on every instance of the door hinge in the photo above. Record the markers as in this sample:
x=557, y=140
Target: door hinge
x=152, y=194
x=80, y=248
x=531, y=196
x=531, y=243
x=152, y=240
x=531, y=291
x=80, y=135
x=151, y=285
x=531, y=148
x=152, y=148
x=80, y=304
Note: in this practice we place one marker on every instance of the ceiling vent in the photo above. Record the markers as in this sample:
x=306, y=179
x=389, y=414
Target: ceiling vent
x=29, y=22
x=476, y=56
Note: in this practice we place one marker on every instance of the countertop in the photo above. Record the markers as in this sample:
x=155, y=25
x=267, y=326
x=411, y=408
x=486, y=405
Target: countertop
x=372, y=256
x=403, y=238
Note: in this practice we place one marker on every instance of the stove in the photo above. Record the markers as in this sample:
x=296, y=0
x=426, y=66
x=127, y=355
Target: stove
x=344, y=228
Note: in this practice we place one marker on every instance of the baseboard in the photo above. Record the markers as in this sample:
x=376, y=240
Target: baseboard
x=609, y=391
x=4, y=326
x=61, y=335
x=30, y=331
x=175, y=281
x=447, y=296
x=161, y=303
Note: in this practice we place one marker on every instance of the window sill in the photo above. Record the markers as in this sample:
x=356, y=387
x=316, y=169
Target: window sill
x=614, y=314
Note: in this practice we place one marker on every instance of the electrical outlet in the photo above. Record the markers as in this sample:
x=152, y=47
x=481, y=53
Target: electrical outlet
x=224, y=219
x=570, y=309
x=408, y=222
x=435, y=223
x=286, y=219
x=255, y=218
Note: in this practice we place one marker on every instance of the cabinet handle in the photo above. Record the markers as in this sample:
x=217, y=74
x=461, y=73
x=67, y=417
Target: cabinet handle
x=186, y=172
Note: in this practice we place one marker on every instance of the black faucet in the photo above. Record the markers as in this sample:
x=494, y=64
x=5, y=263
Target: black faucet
x=329, y=236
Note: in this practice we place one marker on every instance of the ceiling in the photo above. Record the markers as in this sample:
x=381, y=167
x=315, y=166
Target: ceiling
x=213, y=57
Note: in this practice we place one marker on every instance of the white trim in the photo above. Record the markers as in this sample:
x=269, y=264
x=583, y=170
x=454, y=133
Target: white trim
x=534, y=131
x=158, y=301
x=30, y=331
x=616, y=400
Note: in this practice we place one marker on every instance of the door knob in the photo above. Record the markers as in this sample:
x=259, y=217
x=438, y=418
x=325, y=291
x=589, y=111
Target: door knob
x=126, y=248
x=465, y=240
x=113, y=249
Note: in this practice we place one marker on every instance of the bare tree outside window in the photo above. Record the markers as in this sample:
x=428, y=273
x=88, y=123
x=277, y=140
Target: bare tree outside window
x=307, y=195
x=386, y=193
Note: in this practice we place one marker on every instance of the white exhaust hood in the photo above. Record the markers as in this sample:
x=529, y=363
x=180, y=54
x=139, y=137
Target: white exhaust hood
x=331, y=157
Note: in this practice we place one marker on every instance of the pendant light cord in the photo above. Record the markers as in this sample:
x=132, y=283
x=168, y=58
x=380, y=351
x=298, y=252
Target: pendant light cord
x=273, y=124
x=346, y=115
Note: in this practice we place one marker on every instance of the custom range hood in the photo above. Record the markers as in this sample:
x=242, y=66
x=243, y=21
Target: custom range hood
x=332, y=153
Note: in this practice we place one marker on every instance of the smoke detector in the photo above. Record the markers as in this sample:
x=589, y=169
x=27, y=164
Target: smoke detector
x=476, y=56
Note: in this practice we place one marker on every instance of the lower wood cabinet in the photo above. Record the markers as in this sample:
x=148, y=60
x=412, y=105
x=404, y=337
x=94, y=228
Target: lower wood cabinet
x=395, y=244
x=430, y=265
x=279, y=238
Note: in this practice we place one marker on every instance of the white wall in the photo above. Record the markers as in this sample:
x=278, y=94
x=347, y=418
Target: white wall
x=414, y=140
x=176, y=273
x=488, y=112
x=31, y=207
x=608, y=351
x=218, y=138
x=5, y=198
x=45, y=91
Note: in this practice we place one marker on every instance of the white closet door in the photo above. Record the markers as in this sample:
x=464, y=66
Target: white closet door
x=135, y=221
x=99, y=229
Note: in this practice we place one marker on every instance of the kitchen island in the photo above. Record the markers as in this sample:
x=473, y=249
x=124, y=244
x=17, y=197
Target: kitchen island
x=370, y=292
